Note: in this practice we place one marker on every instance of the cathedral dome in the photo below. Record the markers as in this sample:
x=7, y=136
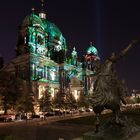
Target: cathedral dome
x=32, y=19
x=35, y=29
x=56, y=37
x=92, y=50
x=53, y=29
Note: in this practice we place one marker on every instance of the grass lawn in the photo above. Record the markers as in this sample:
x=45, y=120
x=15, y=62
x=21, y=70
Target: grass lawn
x=133, y=114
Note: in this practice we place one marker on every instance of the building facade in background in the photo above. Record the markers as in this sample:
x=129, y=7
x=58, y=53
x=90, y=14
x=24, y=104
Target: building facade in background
x=42, y=60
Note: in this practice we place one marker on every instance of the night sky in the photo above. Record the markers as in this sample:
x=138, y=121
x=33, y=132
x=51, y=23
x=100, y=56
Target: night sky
x=109, y=24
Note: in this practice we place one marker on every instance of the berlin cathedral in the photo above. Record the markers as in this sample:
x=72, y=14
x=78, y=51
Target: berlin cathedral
x=42, y=60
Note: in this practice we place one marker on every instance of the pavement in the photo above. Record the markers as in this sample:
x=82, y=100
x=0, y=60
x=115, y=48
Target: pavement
x=48, y=129
x=137, y=137
x=80, y=138
x=38, y=129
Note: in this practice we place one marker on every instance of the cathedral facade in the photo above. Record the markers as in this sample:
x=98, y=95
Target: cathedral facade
x=41, y=60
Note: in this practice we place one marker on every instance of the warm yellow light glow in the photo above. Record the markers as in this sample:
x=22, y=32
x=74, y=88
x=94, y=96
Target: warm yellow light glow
x=76, y=94
x=42, y=15
x=52, y=92
x=41, y=91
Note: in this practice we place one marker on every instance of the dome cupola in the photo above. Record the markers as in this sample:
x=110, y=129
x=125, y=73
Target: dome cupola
x=42, y=13
x=92, y=50
x=31, y=19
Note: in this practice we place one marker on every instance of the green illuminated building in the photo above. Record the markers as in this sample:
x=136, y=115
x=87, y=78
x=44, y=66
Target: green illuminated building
x=41, y=60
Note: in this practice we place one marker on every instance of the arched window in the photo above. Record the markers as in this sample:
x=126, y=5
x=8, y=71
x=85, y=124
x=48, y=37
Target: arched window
x=40, y=40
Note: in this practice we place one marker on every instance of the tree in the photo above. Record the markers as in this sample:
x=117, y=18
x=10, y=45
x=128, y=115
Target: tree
x=8, y=90
x=70, y=102
x=58, y=101
x=82, y=101
x=45, y=101
x=25, y=102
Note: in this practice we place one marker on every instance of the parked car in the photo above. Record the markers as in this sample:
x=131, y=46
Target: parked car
x=22, y=117
x=6, y=118
x=58, y=113
x=35, y=116
x=89, y=110
x=81, y=110
x=50, y=113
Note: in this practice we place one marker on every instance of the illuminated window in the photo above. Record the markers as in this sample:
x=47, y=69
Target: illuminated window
x=33, y=37
x=25, y=41
x=42, y=15
x=41, y=91
x=33, y=68
x=45, y=72
x=40, y=41
x=52, y=74
x=39, y=72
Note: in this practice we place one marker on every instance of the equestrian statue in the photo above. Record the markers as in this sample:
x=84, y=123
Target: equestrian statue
x=108, y=92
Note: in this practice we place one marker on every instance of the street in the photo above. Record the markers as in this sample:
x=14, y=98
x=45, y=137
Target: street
x=48, y=129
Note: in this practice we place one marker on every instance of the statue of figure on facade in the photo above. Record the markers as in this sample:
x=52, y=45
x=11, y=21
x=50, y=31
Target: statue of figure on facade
x=108, y=90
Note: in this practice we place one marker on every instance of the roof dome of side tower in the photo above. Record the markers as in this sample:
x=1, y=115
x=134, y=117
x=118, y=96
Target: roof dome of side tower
x=92, y=50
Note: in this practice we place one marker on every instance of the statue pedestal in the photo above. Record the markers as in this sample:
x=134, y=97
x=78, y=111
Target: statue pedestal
x=114, y=132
